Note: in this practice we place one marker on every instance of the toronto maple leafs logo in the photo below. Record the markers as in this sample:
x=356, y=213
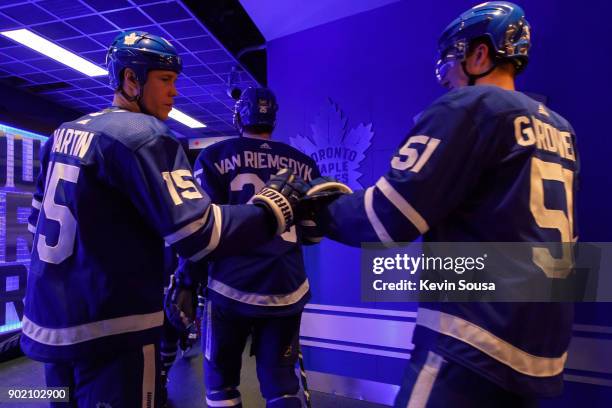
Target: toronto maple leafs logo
x=130, y=39
x=337, y=151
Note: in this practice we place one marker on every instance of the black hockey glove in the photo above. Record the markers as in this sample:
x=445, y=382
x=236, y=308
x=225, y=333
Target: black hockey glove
x=322, y=192
x=280, y=196
x=180, y=304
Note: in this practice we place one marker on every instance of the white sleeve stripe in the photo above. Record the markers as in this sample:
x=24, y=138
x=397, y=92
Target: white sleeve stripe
x=380, y=230
x=36, y=204
x=198, y=172
x=32, y=228
x=188, y=229
x=215, y=236
x=401, y=204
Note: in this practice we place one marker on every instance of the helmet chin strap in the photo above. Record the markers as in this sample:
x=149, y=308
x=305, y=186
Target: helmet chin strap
x=136, y=98
x=473, y=78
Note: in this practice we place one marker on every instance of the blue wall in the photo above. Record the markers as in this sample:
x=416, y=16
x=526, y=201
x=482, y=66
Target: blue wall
x=378, y=67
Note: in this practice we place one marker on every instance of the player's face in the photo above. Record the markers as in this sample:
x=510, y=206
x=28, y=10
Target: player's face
x=450, y=73
x=450, y=68
x=159, y=93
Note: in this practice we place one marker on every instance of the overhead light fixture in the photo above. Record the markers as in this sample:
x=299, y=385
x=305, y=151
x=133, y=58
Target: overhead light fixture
x=185, y=119
x=52, y=50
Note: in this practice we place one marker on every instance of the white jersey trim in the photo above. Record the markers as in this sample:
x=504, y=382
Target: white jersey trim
x=32, y=228
x=491, y=345
x=148, y=376
x=257, y=299
x=401, y=204
x=188, y=229
x=208, y=341
x=215, y=235
x=224, y=403
x=425, y=381
x=36, y=204
x=378, y=227
x=90, y=331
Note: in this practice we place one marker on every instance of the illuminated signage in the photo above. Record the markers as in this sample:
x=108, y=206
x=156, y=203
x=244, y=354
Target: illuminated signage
x=19, y=167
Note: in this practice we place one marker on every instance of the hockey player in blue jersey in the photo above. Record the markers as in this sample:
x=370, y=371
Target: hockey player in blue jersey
x=483, y=163
x=114, y=185
x=261, y=292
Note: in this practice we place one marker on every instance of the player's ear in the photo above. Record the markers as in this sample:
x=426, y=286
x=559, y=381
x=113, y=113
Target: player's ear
x=481, y=53
x=130, y=82
x=478, y=59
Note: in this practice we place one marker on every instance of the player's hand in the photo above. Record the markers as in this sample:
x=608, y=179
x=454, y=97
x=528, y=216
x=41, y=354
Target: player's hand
x=180, y=304
x=322, y=191
x=280, y=196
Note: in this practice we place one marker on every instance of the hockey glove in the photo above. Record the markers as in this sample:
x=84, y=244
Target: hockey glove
x=322, y=192
x=280, y=196
x=180, y=304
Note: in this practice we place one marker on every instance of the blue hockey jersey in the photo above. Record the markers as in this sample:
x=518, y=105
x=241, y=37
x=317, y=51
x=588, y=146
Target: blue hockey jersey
x=114, y=185
x=270, y=279
x=482, y=164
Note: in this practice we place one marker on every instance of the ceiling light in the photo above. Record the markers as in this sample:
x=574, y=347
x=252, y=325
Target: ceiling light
x=52, y=50
x=185, y=119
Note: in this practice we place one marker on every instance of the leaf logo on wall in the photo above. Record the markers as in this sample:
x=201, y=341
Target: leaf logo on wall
x=337, y=151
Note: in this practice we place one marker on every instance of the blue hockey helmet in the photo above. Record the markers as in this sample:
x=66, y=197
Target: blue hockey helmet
x=255, y=110
x=142, y=52
x=502, y=23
